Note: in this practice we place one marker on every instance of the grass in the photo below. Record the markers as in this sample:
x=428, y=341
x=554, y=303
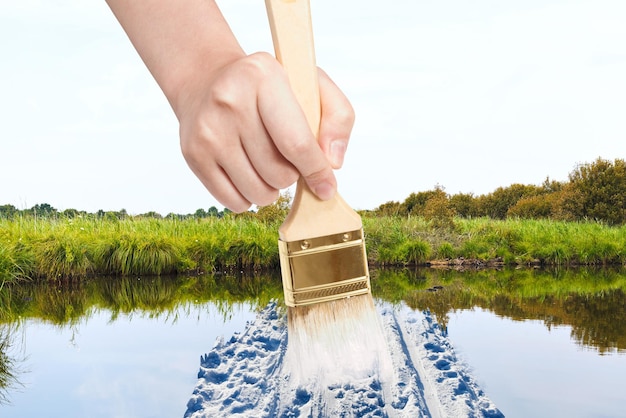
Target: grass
x=86, y=247
x=79, y=248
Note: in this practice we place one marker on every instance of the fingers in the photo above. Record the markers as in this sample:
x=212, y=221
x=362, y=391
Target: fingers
x=336, y=122
x=286, y=124
x=201, y=158
x=246, y=137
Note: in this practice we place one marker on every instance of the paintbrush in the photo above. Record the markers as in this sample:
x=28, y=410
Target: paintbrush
x=321, y=245
x=333, y=325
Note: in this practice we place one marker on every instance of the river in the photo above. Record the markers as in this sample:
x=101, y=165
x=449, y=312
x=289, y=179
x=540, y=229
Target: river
x=131, y=347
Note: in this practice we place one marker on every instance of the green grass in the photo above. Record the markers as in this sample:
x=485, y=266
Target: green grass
x=85, y=247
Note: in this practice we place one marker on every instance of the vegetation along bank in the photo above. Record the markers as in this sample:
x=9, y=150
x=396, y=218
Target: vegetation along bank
x=579, y=222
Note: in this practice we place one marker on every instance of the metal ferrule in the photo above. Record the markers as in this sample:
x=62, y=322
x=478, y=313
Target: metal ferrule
x=324, y=268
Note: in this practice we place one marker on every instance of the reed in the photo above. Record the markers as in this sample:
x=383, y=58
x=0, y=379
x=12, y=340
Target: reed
x=63, y=248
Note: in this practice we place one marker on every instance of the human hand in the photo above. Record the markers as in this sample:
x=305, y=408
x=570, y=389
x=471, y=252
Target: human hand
x=245, y=136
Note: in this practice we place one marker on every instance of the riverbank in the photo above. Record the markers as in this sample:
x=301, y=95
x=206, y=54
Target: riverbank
x=74, y=248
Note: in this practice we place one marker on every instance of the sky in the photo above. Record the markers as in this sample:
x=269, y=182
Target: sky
x=470, y=96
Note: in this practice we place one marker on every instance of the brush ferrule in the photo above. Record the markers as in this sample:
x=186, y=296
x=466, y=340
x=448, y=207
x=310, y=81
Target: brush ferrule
x=324, y=268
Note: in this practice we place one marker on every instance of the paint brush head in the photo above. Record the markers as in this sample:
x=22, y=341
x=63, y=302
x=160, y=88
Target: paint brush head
x=335, y=340
x=324, y=268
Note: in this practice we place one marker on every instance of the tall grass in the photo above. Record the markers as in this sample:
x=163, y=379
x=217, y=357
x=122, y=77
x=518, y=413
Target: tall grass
x=70, y=248
x=84, y=247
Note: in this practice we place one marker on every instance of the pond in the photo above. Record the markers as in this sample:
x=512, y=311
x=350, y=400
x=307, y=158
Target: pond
x=540, y=343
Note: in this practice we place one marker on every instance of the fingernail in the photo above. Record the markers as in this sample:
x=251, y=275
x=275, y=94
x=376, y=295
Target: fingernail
x=324, y=190
x=337, y=152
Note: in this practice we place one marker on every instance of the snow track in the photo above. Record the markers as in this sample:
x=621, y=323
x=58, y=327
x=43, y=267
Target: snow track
x=418, y=375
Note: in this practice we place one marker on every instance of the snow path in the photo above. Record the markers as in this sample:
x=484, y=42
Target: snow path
x=418, y=375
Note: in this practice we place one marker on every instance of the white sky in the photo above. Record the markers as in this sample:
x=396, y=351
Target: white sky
x=468, y=95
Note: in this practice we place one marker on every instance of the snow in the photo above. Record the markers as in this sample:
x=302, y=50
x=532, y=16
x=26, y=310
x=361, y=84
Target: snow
x=345, y=359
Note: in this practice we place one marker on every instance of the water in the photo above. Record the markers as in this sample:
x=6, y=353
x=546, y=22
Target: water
x=91, y=352
x=529, y=370
x=133, y=366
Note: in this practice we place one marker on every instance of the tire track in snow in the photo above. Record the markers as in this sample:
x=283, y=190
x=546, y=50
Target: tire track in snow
x=407, y=388
x=248, y=376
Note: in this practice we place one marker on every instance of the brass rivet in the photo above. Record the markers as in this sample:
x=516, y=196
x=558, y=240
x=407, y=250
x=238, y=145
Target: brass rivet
x=346, y=237
x=305, y=244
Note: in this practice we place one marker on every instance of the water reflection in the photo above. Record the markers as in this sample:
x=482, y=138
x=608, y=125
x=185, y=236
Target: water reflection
x=10, y=369
x=69, y=306
x=69, y=303
x=590, y=301
x=49, y=315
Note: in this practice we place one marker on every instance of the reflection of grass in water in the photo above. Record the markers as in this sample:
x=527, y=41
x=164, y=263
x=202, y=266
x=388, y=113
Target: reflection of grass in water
x=590, y=300
x=61, y=304
x=66, y=303
x=9, y=368
x=124, y=295
x=587, y=299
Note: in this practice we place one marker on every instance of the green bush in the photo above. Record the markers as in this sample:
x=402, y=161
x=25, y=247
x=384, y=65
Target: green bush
x=597, y=191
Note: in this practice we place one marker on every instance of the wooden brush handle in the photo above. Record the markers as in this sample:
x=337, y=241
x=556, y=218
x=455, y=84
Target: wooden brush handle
x=292, y=33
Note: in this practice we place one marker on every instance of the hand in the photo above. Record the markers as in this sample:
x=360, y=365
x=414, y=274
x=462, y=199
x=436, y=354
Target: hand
x=242, y=131
x=245, y=137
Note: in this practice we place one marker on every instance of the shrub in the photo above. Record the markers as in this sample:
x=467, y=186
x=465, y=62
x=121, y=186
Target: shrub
x=446, y=250
x=597, y=191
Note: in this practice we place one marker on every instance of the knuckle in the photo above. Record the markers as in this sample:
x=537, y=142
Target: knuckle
x=345, y=115
x=198, y=141
x=224, y=93
x=231, y=88
x=317, y=176
x=298, y=147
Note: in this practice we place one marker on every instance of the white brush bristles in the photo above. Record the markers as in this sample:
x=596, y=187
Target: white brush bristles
x=336, y=341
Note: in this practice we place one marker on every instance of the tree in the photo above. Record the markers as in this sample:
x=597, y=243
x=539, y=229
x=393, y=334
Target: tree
x=200, y=213
x=43, y=210
x=464, y=205
x=8, y=211
x=496, y=204
x=277, y=211
x=390, y=208
x=534, y=207
x=151, y=214
x=437, y=210
x=597, y=191
x=71, y=213
x=416, y=202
